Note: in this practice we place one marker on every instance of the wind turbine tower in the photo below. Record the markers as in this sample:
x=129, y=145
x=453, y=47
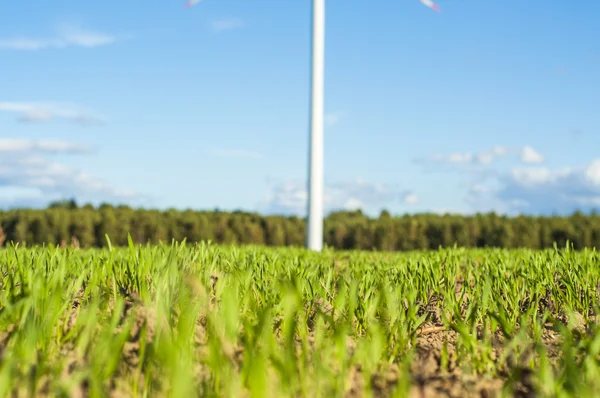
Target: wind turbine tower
x=314, y=227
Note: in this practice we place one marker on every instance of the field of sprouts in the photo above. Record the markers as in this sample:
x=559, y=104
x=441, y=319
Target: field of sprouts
x=203, y=320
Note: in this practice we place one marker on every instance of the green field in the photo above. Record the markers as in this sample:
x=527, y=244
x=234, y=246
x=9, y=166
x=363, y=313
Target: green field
x=222, y=321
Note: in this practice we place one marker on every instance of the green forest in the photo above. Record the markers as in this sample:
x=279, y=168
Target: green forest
x=65, y=223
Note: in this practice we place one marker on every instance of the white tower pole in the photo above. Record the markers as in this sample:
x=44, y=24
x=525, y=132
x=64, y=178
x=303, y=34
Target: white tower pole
x=314, y=230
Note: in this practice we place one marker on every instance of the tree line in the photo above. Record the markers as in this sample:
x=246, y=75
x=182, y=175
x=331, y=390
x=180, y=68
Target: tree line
x=66, y=223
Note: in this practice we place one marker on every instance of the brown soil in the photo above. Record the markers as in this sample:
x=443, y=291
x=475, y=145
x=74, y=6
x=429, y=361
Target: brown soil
x=431, y=380
x=429, y=377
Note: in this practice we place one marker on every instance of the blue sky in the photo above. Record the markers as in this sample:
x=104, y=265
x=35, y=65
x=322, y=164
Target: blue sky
x=487, y=105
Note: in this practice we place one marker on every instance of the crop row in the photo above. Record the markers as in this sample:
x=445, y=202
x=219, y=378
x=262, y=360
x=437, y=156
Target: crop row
x=205, y=320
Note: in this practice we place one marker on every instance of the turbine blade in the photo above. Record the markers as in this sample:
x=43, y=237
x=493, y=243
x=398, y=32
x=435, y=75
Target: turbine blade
x=430, y=4
x=192, y=3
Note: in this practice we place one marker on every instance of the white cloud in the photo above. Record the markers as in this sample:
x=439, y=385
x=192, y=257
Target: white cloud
x=30, y=112
x=291, y=196
x=29, y=176
x=67, y=37
x=541, y=190
x=221, y=25
x=235, y=153
x=535, y=176
x=353, y=204
x=528, y=187
x=411, y=199
x=12, y=194
x=460, y=158
x=530, y=155
x=333, y=118
x=479, y=189
x=48, y=146
x=592, y=172
x=49, y=177
x=288, y=197
x=527, y=155
x=85, y=38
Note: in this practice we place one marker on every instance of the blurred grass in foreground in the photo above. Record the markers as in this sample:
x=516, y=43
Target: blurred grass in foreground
x=181, y=321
